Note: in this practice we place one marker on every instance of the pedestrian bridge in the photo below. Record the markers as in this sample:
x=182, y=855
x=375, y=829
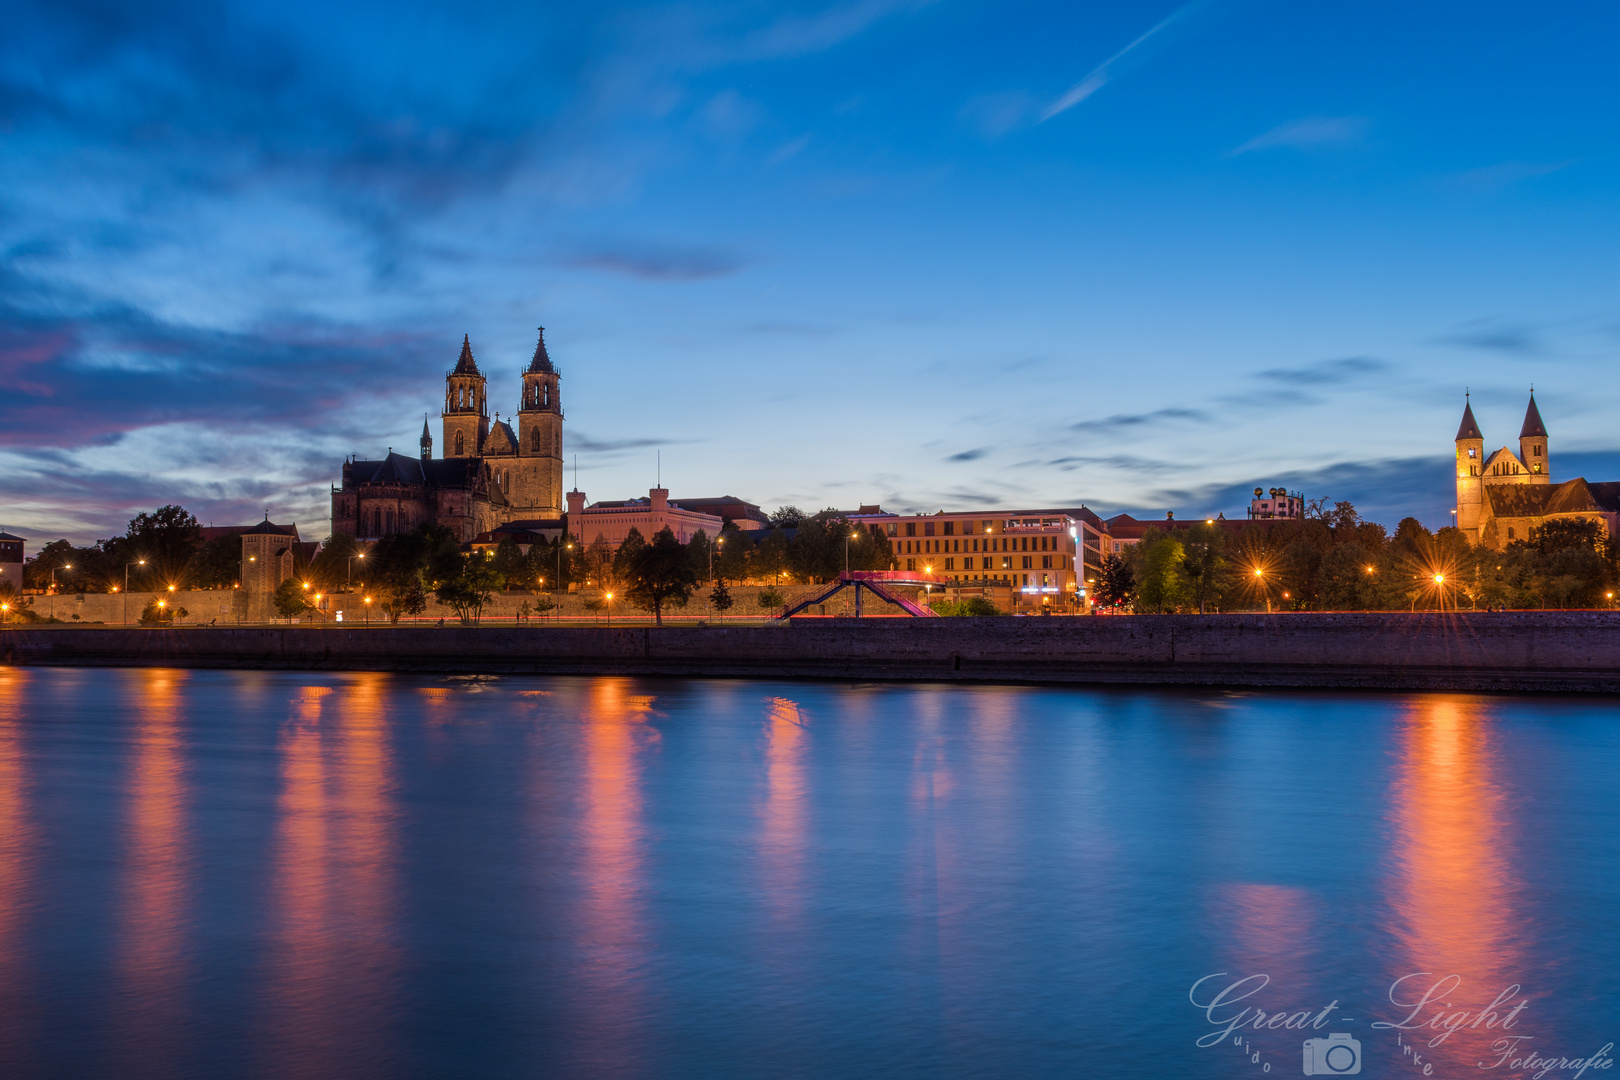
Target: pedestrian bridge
x=878, y=582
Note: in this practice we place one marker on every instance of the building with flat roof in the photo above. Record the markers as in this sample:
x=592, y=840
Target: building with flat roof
x=612, y=521
x=1048, y=553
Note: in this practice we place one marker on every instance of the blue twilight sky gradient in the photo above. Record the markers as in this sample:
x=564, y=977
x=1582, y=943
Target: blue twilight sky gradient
x=950, y=254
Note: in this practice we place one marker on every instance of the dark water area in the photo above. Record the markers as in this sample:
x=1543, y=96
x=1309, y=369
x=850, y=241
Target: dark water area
x=289, y=874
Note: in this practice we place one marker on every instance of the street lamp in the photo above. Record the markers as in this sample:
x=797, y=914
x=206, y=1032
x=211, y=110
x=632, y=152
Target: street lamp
x=137, y=562
x=361, y=555
x=368, y=611
x=610, y=609
x=560, y=547
x=847, y=539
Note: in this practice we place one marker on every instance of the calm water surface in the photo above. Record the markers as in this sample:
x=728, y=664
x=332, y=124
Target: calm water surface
x=285, y=874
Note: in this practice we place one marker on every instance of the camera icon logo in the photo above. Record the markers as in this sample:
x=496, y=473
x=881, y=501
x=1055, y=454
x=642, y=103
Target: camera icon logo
x=1336, y=1055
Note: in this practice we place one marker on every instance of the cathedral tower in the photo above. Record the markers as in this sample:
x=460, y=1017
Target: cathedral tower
x=466, y=413
x=539, y=475
x=1470, y=473
x=1533, y=445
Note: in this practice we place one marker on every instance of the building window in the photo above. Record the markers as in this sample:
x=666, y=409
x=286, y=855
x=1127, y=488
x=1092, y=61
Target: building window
x=950, y=528
x=534, y=440
x=891, y=530
x=461, y=446
x=950, y=564
x=1046, y=562
x=1028, y=561
x=911, y=528
x=928, y=528
x=1006, y=562
x=1535, y=451
x=1510, y=532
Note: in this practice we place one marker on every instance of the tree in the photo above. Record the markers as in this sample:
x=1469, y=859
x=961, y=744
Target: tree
x=1157, y=559
x=786, y=517
x=736, y=549
x=974, y=607
x=511, y=562
x=57, y=555
x=1204, y=564
x=291, y=599
x=720, y=598
x=660, y=574
x=597, y=562
x=771, y=557
x=166, y=539
x=396, y=565
x=624, y=560
x=699, y=552
x=467, y=585
x=215, y=564
x=330, y=569
x=769, y=599
x=1116, y=583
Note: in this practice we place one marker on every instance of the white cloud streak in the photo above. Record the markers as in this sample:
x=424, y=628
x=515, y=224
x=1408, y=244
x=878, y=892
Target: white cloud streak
x=1099, y=75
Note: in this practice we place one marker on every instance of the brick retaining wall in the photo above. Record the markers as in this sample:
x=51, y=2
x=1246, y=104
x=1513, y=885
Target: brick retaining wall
x=1549, y=651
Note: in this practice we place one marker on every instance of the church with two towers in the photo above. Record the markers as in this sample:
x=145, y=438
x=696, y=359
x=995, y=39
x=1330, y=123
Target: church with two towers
x=491, y=473
x=1501, y=497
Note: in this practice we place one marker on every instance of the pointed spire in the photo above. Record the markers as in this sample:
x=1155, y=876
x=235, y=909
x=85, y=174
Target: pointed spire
x=1468, y=429
x=1533, y=427
x=425, y=436
x=466, y=365
x=542, y=360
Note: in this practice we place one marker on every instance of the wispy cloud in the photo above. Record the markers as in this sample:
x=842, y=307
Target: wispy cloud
x=1512, y=339
x=574, y=440
x=656, y=262
x=1135, y=420
x=1307, y=133
x=970, y=455
x=1100, y=75
x=1325, y=372
x=1506, y=173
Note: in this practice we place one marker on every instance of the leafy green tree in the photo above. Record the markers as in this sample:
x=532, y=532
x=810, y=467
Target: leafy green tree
x=1116, y=583
x=597, y=562
x=624, y=560
x=329, y=570
x=291, y=599
x=1204, y=565
x=659, y=575
x=787, y=517
x=397, y=564
x=720, y=598
x=1157, y=568
x=769, y=599
x=58, y=556
x=467, y=584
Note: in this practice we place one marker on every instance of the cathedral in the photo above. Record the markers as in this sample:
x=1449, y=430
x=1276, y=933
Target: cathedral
x=1502, y=497
x=491, y=474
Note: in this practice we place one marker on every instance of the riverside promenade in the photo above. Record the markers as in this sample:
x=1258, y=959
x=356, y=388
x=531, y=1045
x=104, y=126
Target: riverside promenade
x=1560, y=651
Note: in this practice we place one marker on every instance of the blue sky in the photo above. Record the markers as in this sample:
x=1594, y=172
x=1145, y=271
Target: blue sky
x=932, y=255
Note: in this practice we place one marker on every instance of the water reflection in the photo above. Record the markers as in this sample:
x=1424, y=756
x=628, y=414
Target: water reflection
x=332, y=960
x=783, y=818
x=154, y=925
x=1455, y=893
x=612, y=934
x=16, y=861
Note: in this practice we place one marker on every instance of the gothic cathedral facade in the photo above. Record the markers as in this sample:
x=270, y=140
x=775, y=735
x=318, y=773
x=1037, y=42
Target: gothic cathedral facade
x=491, y=473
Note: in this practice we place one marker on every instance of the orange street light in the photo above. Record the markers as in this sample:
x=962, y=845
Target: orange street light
x=1369, y=569
x=1439, y=579
x=171, y=588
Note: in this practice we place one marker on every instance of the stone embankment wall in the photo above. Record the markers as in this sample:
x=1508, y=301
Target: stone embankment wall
x=1547, y=651
x=222, y=606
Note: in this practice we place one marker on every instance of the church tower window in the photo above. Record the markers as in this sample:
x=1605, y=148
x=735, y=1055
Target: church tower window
x=461, y=445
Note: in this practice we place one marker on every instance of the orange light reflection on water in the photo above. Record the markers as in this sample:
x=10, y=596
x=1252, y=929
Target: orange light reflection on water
x=150, y=966
x=332, y=959
x=612, y=935
x=16, y=857
x=1455, y=896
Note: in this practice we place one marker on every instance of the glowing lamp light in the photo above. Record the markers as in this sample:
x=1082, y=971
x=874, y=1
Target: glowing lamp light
x=1439, y=579
x=171, y=588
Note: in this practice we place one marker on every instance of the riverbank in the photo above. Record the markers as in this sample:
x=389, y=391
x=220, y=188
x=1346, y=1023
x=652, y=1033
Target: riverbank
x=1543, y=651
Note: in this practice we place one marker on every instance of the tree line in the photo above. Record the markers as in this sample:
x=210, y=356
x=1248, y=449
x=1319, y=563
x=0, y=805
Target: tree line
x=1338, y=562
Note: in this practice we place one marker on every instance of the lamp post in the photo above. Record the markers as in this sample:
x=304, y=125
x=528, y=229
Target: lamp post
x=361, y=555
x=137, y=562
x=54, y=569
x=560, y=547
x=847, y=539
x=368, y=611
x=1260, y=580
x=610, y=609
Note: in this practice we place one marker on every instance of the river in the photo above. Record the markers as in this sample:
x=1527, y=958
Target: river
x=279, y=874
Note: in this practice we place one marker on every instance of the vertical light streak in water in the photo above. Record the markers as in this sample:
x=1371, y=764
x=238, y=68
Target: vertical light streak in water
x=612, y=938
x=1455, y=896
x=783, y=821
x=16, y=867
x=150, y=1007
x=332, y=964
